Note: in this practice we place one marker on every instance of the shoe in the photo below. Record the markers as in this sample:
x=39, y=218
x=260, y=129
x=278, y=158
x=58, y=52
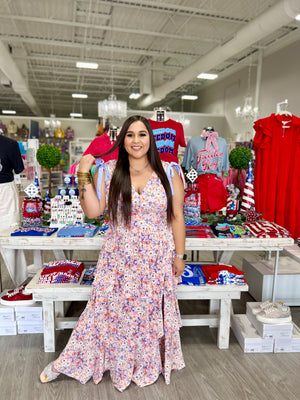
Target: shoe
x=17, y=298
x=48, y=374
x=17, y=290
x=265, y=305
x=275, y=315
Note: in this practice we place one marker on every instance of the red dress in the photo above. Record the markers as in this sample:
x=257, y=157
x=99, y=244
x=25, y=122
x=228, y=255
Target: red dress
x=277, y=170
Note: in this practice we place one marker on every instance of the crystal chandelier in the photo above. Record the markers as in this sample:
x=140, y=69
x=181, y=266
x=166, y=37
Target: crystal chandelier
x=247, y=111
x=112, y=108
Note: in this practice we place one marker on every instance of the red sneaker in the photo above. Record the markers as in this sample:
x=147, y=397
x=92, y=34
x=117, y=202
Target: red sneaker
x=16, y=290
x=17, y=298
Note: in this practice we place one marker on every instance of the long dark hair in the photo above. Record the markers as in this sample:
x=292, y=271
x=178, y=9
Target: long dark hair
x=120, y=184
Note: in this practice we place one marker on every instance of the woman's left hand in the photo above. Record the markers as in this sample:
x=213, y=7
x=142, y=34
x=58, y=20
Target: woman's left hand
x=178, y=266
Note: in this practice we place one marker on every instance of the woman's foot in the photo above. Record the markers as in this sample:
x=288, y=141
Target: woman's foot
x=49, y=373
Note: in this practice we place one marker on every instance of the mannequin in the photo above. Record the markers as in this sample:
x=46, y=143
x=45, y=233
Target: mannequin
x=10, y=162
x=168, y=135
x=208, y=155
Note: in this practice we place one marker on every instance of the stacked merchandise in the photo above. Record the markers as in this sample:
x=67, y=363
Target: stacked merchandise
x=193, y=275
x=33, y=231
x=265, y=229
x=266, y=328
x=29, y=319
x=225, y=230
x=199, y=231
x=89, y=275
x=62, y=271
x=220, y=274
x=191, y=207
x=78, y=230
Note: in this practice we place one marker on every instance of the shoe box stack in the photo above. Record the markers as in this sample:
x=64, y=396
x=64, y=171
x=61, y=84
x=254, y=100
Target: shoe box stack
x=21, y=319
x=19, y=313
x=8, y=325
x=266, y=328
x=29, y=319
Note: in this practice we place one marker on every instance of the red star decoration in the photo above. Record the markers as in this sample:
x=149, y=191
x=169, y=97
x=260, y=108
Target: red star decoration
x=251, y=215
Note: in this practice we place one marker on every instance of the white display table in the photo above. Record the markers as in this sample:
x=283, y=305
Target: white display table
x=220, y=296
x=53, y=295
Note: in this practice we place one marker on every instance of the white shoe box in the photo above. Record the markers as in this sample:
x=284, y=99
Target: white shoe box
x=247, y=336
x=7, y=313
x=275, y=331
x=30, y=327
x=29, y=313
x=289, y=345
x=8, y=328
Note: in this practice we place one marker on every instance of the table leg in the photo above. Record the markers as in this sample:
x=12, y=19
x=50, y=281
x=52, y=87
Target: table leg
x=275, y=275
x=224, y=327
x=49, y=326
x=214, y=307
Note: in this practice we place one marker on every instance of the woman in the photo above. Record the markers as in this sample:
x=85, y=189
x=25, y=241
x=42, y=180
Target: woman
x=131, y=323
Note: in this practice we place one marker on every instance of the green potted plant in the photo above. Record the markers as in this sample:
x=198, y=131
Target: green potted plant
x=48, y=156
x=239, y=158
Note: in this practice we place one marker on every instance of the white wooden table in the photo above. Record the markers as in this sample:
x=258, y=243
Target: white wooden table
x=220, y=297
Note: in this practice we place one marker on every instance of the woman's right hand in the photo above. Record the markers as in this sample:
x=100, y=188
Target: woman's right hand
x=86, y=162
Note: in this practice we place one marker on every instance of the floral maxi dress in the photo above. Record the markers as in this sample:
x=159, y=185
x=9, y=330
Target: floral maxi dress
x=131, y=323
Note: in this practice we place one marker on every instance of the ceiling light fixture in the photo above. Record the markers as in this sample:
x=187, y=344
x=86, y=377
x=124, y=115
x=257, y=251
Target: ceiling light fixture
x=134, y=96
x=204, y=75
x=9, y=112
x=79, y=96
x=189, y=97
x=88, y=65
x=297, y=17
x=78, y=115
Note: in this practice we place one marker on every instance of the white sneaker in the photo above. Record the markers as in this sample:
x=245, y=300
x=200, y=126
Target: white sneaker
x=266, y=304
x=275, y=315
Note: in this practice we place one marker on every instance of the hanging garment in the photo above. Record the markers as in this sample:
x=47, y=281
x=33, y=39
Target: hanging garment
x=168, y=137
x=277, y=170
x=206, y=156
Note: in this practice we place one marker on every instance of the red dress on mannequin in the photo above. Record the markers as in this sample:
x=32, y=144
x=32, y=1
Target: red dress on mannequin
x=277, y=170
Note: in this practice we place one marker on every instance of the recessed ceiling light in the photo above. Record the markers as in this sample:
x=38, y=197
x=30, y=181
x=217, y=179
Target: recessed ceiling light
x=134, y=96
x=297, y=17
x=89, y=65
x=189, y=97
x=9, y=112
x=79, y=115
x=204, y=75
x=79, y=96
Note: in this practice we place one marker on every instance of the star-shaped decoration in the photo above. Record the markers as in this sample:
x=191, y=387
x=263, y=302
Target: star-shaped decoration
x=192, y=175
x=251, y=215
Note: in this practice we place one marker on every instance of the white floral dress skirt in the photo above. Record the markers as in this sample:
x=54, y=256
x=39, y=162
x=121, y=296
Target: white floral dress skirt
x=131, y=323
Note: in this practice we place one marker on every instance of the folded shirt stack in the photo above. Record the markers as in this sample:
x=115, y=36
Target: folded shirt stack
x=89, y=275
x=193, y=275
x=266, y=229
x=63, y=271
x=224, y=230
x=199, y=231
x=223, y=275
x=33, y=231
x=78, y=230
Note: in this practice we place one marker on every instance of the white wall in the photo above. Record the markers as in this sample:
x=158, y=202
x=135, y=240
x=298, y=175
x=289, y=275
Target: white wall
x=280, y=80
